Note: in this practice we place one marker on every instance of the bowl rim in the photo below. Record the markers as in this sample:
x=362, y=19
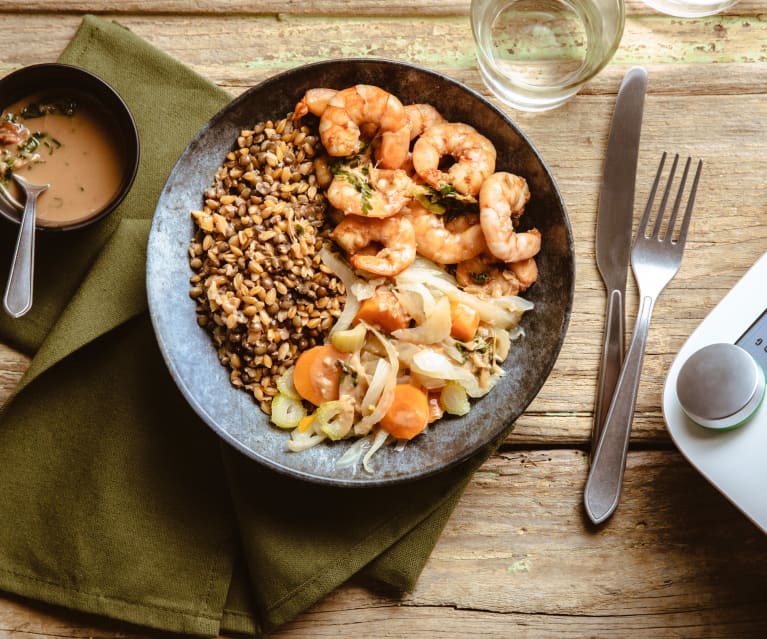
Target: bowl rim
x=129, y=133
x=200, y=409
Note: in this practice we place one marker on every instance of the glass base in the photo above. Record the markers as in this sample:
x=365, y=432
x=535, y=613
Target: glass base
x=690, y=8
x=524, y=100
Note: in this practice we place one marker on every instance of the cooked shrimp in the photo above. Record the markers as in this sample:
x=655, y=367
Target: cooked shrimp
x=526, y=272
x=484, y=274
x=314, y=102
x=395, y=234
x=503, y=197
x=379, y=193
x=364, y=104
x=421, y=117
x=473, y=152
x=322, y=171
x=12, y=133
x=442, y=245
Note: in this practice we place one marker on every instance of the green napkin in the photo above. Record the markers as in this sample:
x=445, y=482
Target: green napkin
x=115, y=498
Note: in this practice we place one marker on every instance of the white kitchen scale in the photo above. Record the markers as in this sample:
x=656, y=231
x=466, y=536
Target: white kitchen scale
x=713, y=398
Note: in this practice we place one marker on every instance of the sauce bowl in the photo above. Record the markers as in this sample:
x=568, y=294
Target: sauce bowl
x=116, y=124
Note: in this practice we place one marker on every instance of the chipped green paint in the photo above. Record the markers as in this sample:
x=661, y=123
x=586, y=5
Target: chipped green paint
x=438, y=41
x=519, y=566
x=726, y=39
x=446, y=41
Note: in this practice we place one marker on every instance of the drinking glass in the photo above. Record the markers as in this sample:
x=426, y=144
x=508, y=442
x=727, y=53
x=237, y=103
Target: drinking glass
x=690, y=8
x=534, y=55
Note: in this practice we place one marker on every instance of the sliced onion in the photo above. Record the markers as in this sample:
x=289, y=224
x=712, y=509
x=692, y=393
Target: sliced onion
x=347, y=316
x=343, y=271
x=405, y=351
x=387, y=395
x=412, y=303
x=376, y=387
x=504, y=312
x=451, y=350
x=339, y=267
x=429, y=383
x=379, y=440
x=430, y=363
x=354, y=452
x=501, y=344
x=435, y=328
x=363, y=289
x=416, y=298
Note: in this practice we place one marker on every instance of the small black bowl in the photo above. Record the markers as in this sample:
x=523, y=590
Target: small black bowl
x=56, y=77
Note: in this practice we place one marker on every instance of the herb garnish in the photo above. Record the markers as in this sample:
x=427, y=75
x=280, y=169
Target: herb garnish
x=49, y=106
x=359, y=180
x=479, y=277
x=445, y=200
x=346, y=370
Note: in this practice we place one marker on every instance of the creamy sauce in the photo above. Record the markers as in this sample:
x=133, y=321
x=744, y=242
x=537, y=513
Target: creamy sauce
x=80, y=155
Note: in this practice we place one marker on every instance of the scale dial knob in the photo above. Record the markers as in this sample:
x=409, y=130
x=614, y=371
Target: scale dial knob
x=720, y=386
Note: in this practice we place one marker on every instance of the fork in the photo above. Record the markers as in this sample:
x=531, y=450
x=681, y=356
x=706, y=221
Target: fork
x=655, y=260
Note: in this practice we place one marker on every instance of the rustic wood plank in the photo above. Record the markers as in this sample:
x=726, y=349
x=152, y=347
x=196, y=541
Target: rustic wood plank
x=300, y=7
x=265, y=45
x=675, y=560
x=666, y=563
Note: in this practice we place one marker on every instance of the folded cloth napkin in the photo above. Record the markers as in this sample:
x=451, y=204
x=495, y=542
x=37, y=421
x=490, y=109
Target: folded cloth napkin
x=115, y=498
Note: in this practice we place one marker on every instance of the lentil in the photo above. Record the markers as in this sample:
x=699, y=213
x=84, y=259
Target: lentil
x=260, y=289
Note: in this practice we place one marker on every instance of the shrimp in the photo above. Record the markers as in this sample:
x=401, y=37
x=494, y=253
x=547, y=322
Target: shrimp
x=12, y=133
x=322, y=171
x=502, y=198
x=473, y=152
x=441, y=244
x=395, y=234
x=484, y=274
x=526, y=271
x=314, y=101
x=364, y=104
x=379, y=193
x=421, y=117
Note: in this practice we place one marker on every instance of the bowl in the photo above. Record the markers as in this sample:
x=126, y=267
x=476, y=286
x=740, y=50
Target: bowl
x=103, y=127
x=191, y=356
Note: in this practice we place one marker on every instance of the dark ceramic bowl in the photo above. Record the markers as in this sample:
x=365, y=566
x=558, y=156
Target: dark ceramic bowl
x=189, y=351
x=63, y=77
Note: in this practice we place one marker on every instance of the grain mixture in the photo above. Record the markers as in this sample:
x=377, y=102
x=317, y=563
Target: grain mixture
x=261, y=289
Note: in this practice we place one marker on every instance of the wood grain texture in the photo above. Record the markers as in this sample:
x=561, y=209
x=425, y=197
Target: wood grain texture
x=518, y=558
x=300, y=7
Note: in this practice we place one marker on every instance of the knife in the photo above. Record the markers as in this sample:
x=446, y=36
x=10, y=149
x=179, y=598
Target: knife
x=614, y=231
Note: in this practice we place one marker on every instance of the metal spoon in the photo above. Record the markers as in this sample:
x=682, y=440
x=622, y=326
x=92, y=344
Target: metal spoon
x=18, y=294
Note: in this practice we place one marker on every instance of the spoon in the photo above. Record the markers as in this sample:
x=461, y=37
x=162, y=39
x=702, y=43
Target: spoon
x=18, y=294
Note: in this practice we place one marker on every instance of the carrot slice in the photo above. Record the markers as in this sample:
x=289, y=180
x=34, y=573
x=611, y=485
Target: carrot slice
x=383, y=310
x=464, y=321
x=317, y=374
x=408, y=414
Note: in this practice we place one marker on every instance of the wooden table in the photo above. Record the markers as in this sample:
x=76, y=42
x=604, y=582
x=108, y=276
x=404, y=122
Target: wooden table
x=518, y=557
